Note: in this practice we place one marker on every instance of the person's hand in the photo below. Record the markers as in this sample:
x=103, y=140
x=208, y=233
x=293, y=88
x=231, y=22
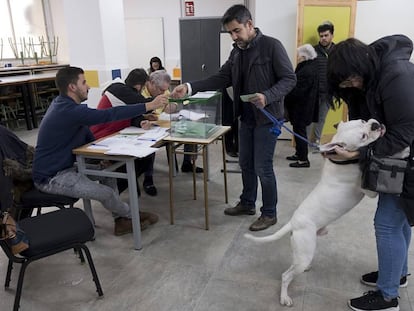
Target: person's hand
x=158, y=102
x=151, y=117
x=179, y=91
x=340, y=154
x=145, y=124
x=171, y=108
x=259, y=100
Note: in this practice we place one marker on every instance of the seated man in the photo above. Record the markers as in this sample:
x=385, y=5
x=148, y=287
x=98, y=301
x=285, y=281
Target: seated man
x=64, y=127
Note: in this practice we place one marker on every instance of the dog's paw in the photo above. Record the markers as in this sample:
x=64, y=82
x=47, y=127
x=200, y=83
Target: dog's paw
x=286, y=301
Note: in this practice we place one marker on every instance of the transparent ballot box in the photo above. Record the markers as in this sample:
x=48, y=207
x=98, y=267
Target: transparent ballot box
x=197, y=116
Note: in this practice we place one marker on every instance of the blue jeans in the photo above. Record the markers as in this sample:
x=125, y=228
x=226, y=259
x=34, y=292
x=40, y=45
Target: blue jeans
x=315, y=129
x=393, y=235
x=73, y=184
x=257, y=147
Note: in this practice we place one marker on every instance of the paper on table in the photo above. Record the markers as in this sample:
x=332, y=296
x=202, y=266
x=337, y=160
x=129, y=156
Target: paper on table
x=154, y=134
x=132, y=130
x=132, y=150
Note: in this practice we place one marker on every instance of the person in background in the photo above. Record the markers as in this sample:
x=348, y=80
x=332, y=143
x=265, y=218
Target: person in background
x=64, y=127
x=301, y=103
x=258, y=66
x=376, y=82
x=155, y=64
x=323, y=48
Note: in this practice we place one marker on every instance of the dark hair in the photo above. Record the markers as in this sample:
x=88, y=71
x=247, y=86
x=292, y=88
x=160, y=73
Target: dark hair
x=155, y=59
x=66, y=76
x=136, y=76
x=237, y=12
x=351, y=58
x=325, y=26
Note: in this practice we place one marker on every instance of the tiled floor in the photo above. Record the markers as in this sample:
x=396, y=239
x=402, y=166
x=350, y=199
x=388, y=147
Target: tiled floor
x=183, y=267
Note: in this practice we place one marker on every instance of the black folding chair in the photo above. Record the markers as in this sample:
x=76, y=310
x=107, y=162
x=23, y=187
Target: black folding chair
x=49, y=234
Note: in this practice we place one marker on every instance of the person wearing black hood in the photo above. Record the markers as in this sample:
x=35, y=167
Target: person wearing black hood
x=376, y=82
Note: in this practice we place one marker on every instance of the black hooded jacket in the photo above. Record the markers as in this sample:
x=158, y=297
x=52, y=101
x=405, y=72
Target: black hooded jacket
x=390, y=98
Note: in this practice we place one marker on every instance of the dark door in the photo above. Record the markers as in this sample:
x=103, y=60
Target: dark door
x=200, y=47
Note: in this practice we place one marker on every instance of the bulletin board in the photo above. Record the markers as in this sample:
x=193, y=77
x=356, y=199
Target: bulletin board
x=311, y=13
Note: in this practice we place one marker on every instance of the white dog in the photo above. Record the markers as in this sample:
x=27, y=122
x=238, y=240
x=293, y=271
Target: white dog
x=338, y=191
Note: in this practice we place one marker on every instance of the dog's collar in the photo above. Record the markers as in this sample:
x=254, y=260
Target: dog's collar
x=353, y=161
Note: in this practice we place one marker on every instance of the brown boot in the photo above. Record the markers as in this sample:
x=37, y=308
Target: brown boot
x=123, y=226
x=150, y=217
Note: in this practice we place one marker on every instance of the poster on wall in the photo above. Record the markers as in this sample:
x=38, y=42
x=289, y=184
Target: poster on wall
x=189, y=8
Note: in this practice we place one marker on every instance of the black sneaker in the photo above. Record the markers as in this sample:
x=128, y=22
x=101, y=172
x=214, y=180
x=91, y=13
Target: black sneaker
x=239, y=209
x=300, y=164
x=371, y=278
x=373, y=301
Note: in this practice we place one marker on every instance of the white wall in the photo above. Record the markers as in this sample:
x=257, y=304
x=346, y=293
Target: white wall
x=277, y=18
x=375, y=18
x=171, y=11
x=378, y=18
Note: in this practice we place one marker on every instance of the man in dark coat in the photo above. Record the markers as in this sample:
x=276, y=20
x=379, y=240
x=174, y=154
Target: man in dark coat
x=259, y=67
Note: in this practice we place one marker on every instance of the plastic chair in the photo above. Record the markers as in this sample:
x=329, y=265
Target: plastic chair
x=49, y=234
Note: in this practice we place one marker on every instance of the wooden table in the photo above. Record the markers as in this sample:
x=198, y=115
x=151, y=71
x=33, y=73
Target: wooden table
x=28, y=90
x=201, y=148
x=83, y=153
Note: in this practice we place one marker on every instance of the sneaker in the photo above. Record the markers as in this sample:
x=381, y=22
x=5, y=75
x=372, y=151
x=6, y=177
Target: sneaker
x=373, y=301
x=300, y=164
x=371, y=278
x=239, y=209
x=262, y=223
x=293, y=158
x=187, y=167
x=147, y=216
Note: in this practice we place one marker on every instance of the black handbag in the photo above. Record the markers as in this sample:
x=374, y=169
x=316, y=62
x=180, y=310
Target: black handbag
x=384, y=174
x=406, y=199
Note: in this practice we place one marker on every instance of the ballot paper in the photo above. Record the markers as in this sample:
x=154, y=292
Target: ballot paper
x=132, y=130
x=134, y=145
x=183, y=113
x=205, y=94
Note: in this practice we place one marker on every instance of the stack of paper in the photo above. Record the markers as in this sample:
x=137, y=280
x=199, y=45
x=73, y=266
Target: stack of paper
x=133, y=145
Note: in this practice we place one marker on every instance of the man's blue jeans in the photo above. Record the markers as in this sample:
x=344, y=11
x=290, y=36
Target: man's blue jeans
x=257, y=147
x=393, y=234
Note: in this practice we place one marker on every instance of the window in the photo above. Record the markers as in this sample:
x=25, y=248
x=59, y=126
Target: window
x=22, y=28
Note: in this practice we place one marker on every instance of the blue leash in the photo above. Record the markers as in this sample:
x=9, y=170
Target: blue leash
x=277, y=128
